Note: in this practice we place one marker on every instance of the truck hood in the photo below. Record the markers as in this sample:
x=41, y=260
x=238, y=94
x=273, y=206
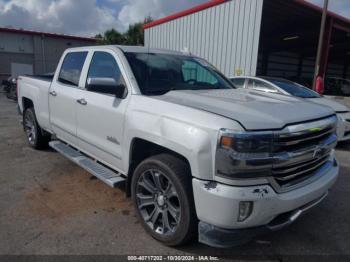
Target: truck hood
x=253, y=110
x=336, y=106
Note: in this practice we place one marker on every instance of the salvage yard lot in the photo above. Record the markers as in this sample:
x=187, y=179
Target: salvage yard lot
x=49, y=205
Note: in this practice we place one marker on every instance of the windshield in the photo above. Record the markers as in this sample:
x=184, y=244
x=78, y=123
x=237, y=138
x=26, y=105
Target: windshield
x=157, y=74
x=295, y=89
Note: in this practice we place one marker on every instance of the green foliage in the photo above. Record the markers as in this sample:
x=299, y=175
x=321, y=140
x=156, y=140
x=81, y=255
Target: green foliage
x=133, y=36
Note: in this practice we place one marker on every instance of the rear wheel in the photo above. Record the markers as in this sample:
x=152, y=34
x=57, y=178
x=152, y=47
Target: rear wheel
x=34, y=133
x=163, y=198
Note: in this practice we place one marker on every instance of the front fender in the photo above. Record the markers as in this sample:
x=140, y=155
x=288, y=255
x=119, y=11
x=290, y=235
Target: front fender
x=194, y=138
x=190, y=142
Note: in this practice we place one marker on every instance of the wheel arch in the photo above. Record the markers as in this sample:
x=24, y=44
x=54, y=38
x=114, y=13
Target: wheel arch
x=141, y=149
x=27, y=103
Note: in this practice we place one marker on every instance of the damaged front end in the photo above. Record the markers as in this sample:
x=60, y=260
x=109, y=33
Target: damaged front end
x=225, y=238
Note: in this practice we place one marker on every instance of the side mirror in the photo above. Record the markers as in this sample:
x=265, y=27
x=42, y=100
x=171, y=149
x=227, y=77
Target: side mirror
x=106, y=85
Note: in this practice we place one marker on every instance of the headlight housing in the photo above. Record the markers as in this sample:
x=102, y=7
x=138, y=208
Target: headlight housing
x=249, y=143
x=242, y=155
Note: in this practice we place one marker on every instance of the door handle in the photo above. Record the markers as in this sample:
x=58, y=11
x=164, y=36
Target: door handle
x=53, y=93
x=82, y=101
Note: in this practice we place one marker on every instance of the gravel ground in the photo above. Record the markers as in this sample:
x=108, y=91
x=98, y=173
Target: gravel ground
x=50, y=206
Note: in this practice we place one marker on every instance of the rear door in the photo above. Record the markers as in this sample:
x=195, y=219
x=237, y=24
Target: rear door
x=63, y=96
x=100, y=118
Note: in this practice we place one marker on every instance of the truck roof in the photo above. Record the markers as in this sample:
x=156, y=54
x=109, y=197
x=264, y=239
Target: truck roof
x=135, y=49
x=143, y=49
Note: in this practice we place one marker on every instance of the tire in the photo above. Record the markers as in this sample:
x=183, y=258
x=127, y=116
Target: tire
x=34, y=133
x=173, y=198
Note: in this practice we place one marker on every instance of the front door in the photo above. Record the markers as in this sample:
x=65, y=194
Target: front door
x=63, y=96
x=100, y=114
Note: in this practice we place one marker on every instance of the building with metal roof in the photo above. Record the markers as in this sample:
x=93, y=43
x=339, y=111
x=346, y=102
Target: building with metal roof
x=33, y=52
x=258, y=37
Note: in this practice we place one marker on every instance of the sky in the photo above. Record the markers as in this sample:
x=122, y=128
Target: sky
x=89, y=17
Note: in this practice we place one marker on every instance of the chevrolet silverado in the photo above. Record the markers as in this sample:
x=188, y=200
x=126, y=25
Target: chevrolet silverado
x=198, y=157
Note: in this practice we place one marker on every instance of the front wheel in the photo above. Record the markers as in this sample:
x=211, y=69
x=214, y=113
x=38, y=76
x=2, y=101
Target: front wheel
x=33, y=131
x=163, y=198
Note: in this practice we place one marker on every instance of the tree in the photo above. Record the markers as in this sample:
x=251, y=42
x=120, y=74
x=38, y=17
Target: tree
x=133, y=36
x=100, y=39
x=113, y=37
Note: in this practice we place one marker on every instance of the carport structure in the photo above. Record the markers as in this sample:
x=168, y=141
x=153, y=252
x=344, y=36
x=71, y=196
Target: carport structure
x=289, y=39
x=258, y=37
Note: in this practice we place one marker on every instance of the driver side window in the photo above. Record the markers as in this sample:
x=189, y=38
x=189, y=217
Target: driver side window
x=104, y=66
x=192, y=71
x=260, y=85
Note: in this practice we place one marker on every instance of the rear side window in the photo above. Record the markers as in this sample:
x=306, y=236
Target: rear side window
x=238, y=82
x=260, y=85
x=71, y=68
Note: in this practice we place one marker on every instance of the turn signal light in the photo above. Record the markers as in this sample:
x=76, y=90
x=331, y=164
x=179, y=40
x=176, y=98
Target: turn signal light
x=226, y=142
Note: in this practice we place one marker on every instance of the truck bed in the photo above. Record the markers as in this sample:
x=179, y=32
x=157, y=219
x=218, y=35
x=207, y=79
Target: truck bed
x=44, y=77
x=36, y=89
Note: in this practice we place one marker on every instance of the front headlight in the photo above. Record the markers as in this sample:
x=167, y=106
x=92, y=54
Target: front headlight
x=246, y=142
x=244, y=154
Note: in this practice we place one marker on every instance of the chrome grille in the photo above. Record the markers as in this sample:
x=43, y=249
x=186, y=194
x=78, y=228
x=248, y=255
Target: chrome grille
x=295, y=141
x=302, y=150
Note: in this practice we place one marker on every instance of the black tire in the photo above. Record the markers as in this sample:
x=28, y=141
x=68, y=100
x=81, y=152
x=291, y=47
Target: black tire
x=179, y=175
x=33, y=131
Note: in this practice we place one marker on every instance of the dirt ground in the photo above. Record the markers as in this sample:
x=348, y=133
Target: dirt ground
x=50, y=206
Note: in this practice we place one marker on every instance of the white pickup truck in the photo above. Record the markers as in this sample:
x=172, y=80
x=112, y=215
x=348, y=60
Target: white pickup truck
x=198, y=156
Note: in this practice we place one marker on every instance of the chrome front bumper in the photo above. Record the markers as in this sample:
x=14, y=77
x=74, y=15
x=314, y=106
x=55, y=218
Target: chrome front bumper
x=225, y=238
x=217, y=206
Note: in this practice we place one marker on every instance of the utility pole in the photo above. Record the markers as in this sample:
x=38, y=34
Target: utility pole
x=320, y=41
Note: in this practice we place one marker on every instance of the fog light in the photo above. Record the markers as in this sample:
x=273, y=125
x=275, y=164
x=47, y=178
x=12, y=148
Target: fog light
x=245, y=210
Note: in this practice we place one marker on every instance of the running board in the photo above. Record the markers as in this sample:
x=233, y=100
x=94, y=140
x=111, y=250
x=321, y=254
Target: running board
x=105, y=174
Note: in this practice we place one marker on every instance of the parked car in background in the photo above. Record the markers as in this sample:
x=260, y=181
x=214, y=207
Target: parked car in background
x=5, y=85
x=197, y=155
x=336, y=86
x=286, y=87
x=10, y=88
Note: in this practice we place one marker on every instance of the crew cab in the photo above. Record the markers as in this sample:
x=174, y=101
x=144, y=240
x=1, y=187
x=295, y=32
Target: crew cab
x=196, y=155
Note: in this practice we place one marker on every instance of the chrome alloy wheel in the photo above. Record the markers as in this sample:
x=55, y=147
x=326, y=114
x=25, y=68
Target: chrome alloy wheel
x=29, y=127
x=158, y=202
